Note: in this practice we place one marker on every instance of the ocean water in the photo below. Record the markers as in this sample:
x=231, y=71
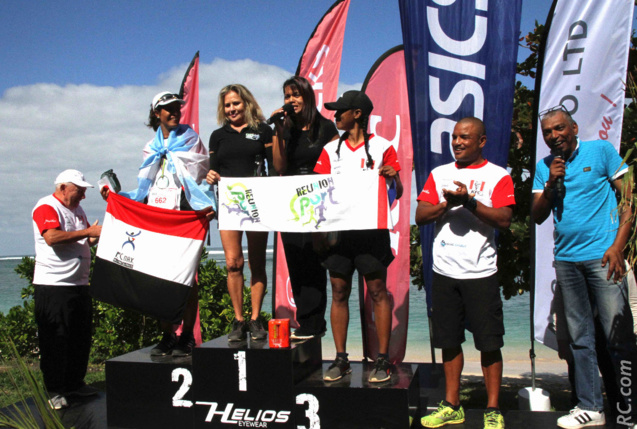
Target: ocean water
x=516, y=318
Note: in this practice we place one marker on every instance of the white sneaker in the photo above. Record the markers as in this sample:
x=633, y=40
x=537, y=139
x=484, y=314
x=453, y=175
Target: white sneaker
x=58, y=402
x=579, y=418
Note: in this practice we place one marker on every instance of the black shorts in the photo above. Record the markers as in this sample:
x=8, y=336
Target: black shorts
x=367, y=251
x=474, y=304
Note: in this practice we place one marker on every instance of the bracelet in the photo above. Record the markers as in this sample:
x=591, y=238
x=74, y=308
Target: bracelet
x=471, y=204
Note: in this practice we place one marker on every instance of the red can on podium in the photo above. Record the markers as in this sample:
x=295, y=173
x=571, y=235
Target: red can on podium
x=279, y=333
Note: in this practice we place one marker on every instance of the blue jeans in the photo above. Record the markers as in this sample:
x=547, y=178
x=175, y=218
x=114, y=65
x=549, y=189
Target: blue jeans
x=585, y=289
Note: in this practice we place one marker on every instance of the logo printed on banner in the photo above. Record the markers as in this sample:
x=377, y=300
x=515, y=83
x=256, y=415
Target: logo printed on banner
x=242, y=203
x=450, y=67
x=131, y=239
x=244, y=417
x=309, y=203
x=317, y=85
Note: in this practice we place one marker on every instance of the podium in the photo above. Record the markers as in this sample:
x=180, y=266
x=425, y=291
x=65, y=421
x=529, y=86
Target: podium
x=247, y=384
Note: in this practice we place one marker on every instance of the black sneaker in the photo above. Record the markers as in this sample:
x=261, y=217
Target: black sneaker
x=184, y=346
x=381, y=371
x=337, y=370
x=165, y=346
x=256, y=330
x=238, y=332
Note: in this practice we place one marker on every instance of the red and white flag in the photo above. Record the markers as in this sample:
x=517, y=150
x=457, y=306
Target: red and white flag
x=147, y=257
x=320, y=64
x=390, y=119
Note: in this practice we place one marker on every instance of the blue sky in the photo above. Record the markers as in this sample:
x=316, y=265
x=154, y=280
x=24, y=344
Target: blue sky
x=77, y=78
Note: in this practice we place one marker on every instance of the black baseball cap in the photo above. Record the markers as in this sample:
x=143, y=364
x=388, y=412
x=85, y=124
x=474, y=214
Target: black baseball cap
x=352, y=100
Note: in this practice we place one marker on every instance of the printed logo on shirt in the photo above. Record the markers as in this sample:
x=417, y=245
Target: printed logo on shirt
x=252, y=136
x=242, y=203
x=310, y=202
x=49, y=221
x=443, y=243
x=476, y=187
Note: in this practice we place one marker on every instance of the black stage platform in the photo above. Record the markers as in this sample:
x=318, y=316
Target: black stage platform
x=248, y=385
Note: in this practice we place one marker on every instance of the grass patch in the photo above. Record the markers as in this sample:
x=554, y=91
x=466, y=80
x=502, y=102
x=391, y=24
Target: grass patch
x=13, y=386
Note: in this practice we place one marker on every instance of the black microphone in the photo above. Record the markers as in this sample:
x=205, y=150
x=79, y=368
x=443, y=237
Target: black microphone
x=287, y=108
x=559, y=181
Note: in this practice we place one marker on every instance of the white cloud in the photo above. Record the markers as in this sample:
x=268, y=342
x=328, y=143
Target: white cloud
x=46, y=128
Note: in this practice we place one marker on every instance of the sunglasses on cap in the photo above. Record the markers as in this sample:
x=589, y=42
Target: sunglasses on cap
x=165, y=99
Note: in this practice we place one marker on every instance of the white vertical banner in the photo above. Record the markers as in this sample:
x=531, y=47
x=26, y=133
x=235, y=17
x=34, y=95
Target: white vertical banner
x=584, y=69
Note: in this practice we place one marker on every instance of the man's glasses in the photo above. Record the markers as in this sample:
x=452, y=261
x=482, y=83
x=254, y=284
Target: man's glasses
x=558, y=108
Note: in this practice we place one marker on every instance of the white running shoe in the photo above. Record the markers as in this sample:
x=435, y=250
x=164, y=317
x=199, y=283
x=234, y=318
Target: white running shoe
x=579, y=418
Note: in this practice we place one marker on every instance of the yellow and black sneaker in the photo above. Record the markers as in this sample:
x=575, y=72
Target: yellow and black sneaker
x=444, y=415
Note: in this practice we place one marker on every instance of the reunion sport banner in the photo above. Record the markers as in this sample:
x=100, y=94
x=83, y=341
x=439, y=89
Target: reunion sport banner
x=315, y=203
x=461, y=61
x=320, y=64
x=147, y=257
x=390, y=120
x=582, y=66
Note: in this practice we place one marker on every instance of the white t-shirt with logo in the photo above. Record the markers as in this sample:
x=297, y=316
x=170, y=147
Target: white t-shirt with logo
x=464, y=246
x=63, y=264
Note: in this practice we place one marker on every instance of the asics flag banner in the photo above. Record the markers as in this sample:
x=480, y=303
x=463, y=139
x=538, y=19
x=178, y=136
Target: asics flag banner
x=461, y=59
x=582, y=67
x=309, y=203
x=390, y=119
x=147, y=257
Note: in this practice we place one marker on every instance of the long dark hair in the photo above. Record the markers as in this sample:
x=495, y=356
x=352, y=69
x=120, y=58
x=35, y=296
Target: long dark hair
x=309, y=112
x=363, y=121
x=309, y=116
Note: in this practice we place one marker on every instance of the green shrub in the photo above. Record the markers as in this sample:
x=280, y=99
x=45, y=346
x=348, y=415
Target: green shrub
x=118, y=331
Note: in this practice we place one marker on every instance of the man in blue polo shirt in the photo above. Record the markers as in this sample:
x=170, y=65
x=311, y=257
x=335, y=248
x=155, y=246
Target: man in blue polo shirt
x=576, y=183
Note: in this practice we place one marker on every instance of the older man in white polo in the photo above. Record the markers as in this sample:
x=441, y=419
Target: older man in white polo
x=63, y=310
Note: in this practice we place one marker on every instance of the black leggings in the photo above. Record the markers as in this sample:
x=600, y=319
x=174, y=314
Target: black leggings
x=308, y=279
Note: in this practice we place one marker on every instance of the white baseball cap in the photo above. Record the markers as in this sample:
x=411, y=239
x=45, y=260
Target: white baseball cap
x=72, y=176
x=164, y=98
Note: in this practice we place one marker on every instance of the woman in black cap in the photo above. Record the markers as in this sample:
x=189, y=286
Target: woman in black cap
x=368, y=251
x=298, y=142
x=239, y=149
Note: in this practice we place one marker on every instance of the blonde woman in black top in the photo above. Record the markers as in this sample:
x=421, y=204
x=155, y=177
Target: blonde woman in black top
x=239, y=149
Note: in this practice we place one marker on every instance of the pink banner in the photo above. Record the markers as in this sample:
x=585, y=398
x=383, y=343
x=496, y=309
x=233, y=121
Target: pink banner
x=285, y=308
x=386, y=86
x=320, y=64
x=189, y=92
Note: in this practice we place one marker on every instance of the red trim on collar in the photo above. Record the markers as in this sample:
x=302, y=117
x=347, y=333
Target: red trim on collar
x=354, y=149
x=472, y=166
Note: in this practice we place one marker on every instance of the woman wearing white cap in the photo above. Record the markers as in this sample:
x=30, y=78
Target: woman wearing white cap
x=175, y=182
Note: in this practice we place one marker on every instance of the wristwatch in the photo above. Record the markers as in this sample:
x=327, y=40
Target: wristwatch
x=471, y=204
